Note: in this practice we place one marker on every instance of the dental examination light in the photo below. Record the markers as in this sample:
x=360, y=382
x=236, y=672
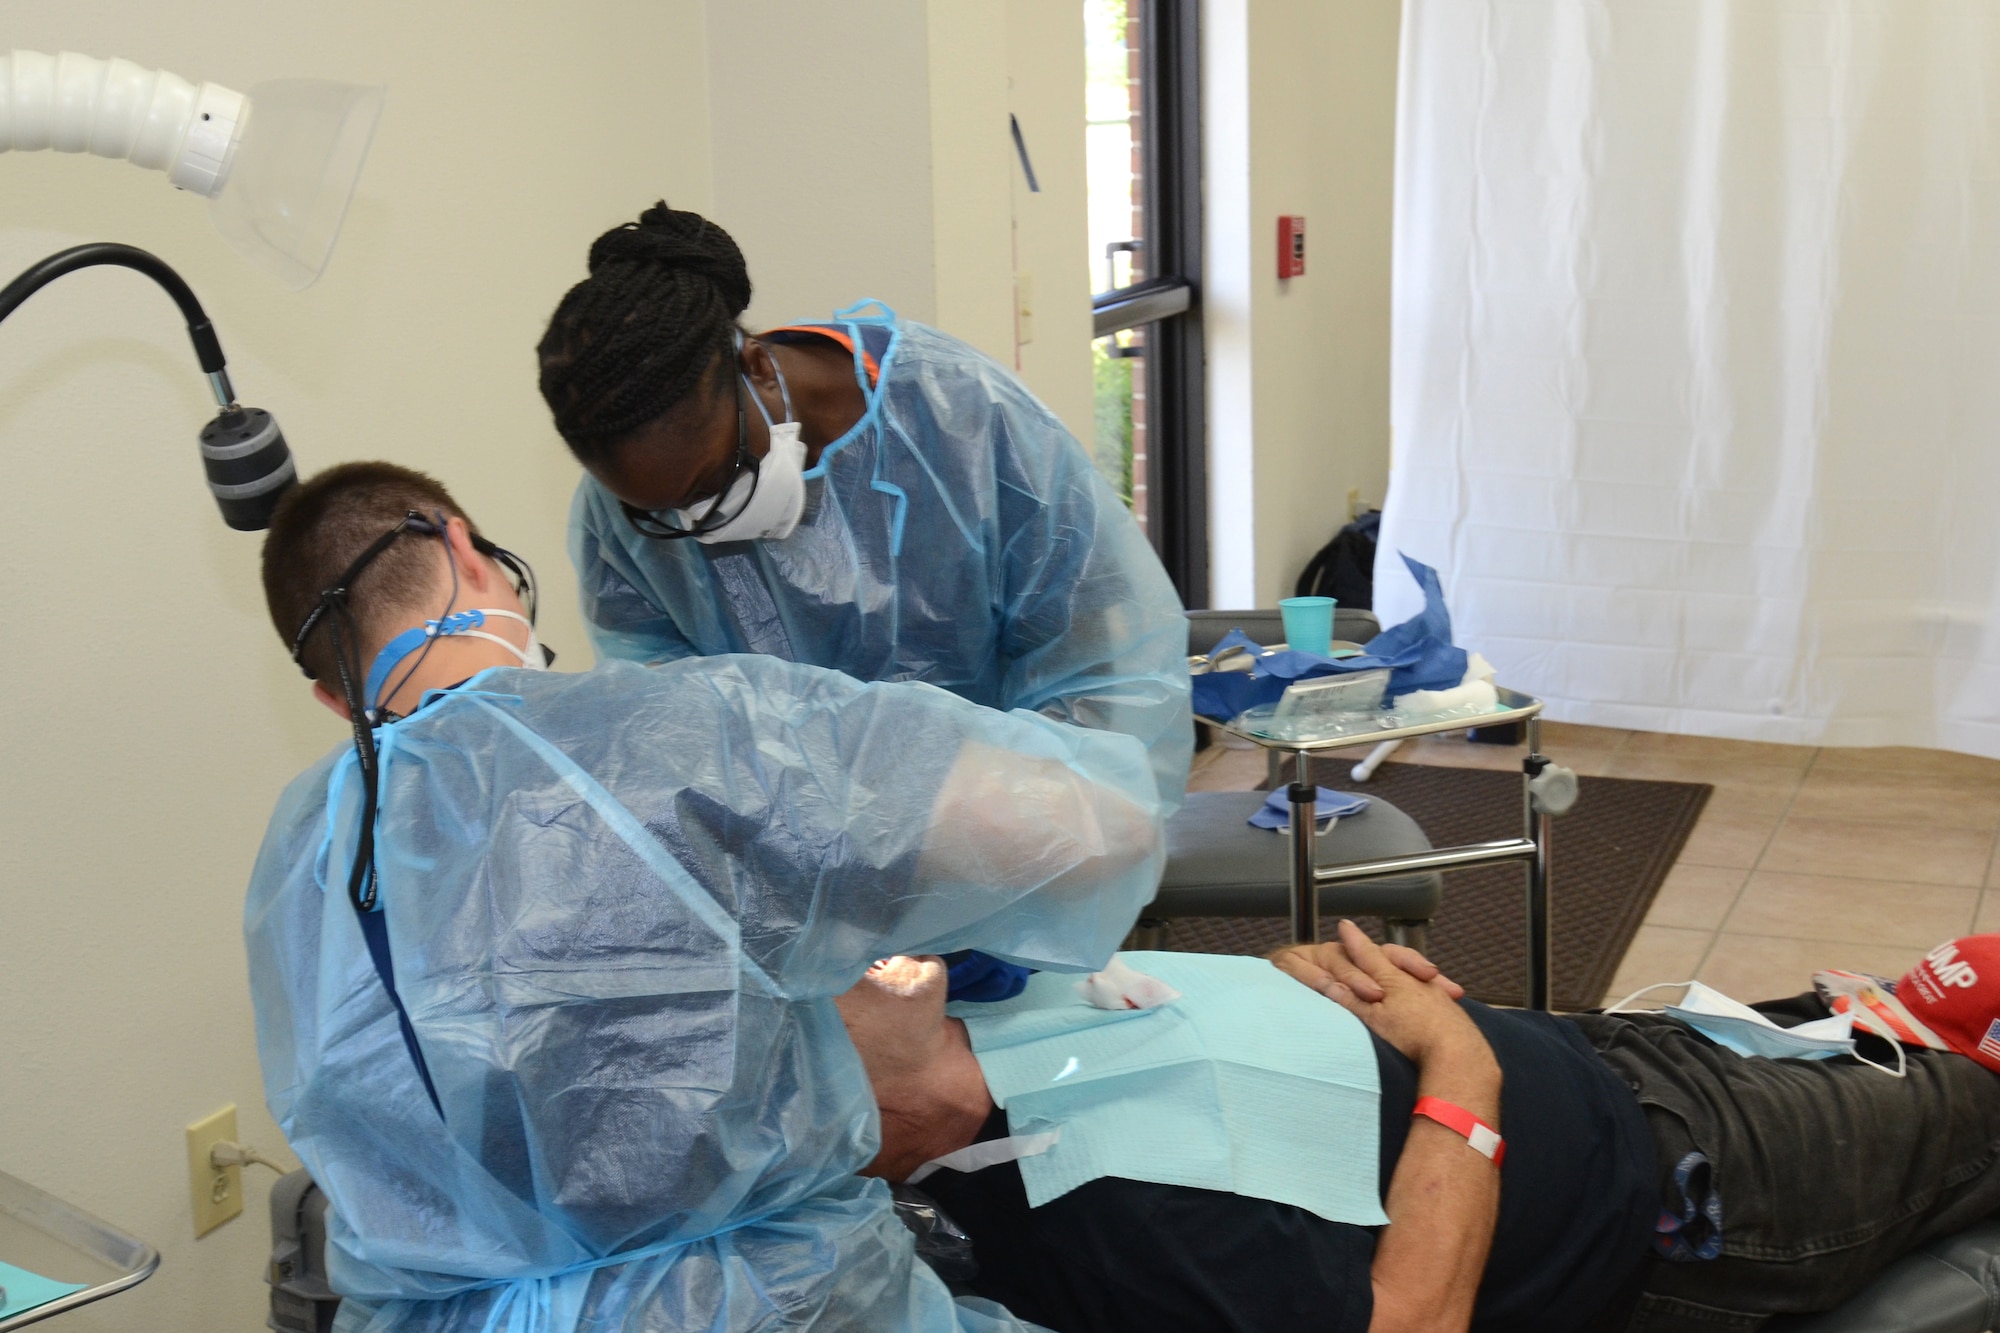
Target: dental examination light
x=248, y=463
x=278, y=167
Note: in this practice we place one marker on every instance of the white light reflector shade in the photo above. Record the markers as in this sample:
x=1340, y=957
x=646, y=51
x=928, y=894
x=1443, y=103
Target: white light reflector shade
x=296, y=163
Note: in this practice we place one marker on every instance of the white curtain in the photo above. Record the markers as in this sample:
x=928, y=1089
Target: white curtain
x=1696, y=382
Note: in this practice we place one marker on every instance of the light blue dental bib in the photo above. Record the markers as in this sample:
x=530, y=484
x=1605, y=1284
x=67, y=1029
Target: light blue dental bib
x=1248, y=1083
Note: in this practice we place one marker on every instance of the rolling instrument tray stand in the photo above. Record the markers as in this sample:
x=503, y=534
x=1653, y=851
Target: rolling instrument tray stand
x=1546, y=790
x=44, y=1235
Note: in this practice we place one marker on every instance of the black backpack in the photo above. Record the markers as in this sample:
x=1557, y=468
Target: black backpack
x=1344, y=568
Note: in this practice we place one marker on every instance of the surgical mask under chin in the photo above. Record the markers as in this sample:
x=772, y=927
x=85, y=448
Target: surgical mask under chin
x=780, y=495
x=459, y=624
x=535, y=655
x=1740, y=1028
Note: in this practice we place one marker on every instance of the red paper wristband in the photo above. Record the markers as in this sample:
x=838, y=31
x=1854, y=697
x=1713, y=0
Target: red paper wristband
x=1485, y=1139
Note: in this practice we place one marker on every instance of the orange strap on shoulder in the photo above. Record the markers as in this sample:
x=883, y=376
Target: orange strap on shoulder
x=837, y=335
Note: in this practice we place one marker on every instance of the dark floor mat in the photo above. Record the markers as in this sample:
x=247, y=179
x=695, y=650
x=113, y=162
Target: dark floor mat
x=1610, y=855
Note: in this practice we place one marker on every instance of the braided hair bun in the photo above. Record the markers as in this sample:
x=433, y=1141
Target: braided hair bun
x=673, y=241
x=630, y=342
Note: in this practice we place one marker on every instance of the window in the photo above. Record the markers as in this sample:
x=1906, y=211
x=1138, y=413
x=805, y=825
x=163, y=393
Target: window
x=1145, y=240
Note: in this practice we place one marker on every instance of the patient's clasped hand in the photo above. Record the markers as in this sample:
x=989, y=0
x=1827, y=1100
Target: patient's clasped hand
x=1787, y=1185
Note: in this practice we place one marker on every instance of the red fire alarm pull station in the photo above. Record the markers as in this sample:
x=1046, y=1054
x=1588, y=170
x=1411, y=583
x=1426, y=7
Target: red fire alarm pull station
x=1291, y=246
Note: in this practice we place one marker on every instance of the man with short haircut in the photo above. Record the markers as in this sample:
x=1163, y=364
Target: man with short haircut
x=543, y=966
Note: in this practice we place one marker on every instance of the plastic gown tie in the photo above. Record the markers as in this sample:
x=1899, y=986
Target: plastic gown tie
x=621, y=903
x=956, y=535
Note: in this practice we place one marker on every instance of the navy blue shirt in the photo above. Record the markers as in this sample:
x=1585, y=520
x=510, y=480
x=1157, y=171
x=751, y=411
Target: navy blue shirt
x=1577, y=1206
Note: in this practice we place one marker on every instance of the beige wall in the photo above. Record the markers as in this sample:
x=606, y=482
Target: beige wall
x=866, y=154
x=971, y=159
x=1301, y=103
x=150, y=716
x=822, y=162
x=1045, y=72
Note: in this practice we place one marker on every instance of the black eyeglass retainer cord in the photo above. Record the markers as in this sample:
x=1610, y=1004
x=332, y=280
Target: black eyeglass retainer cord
x=336, y=613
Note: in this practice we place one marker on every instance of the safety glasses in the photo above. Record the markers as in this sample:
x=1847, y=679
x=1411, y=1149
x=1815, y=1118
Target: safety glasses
x=519, y=572
x=648, y=524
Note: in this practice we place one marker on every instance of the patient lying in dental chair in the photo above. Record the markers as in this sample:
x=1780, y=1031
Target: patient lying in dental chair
x=1386, y=1155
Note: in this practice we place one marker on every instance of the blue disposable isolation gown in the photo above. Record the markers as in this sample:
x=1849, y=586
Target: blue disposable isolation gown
x=957, y=535
x=619, y=904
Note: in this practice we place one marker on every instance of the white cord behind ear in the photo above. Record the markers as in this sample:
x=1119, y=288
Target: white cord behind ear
x=1624, y=1005
x=1902, y=1069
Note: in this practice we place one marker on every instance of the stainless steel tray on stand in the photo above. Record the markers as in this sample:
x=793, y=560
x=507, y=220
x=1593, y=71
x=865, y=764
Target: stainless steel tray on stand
x=44, y=1235
x=1532, y=847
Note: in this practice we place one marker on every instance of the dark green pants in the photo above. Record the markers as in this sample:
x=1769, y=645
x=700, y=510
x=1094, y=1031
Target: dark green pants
x=1826, y=1170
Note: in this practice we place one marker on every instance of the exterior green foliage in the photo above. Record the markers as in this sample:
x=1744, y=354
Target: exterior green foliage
x=1112, y=446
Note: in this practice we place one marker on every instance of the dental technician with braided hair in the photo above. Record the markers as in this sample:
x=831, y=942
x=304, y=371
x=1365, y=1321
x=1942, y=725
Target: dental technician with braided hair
x=865, y=494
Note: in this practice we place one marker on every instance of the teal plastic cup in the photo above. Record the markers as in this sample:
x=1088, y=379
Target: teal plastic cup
x=1308, y=624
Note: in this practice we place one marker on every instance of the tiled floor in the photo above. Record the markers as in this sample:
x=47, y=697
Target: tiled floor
x=1804, y=858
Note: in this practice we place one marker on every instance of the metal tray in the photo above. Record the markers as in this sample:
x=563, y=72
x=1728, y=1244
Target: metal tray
x=1513, y=706
x=42, y=1234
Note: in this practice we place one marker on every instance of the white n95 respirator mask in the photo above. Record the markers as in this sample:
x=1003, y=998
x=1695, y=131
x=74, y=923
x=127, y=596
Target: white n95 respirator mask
x=1736, y=1026
x=777, y=490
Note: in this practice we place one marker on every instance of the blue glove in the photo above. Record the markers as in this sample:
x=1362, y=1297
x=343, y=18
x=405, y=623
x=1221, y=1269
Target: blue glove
x=982, y=978
x=1276, y=812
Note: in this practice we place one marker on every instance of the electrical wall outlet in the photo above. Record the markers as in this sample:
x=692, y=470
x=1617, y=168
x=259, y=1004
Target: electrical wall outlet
x=216, y=1191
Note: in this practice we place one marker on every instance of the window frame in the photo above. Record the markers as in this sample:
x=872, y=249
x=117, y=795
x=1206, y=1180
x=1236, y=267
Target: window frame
x=1168, y=303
